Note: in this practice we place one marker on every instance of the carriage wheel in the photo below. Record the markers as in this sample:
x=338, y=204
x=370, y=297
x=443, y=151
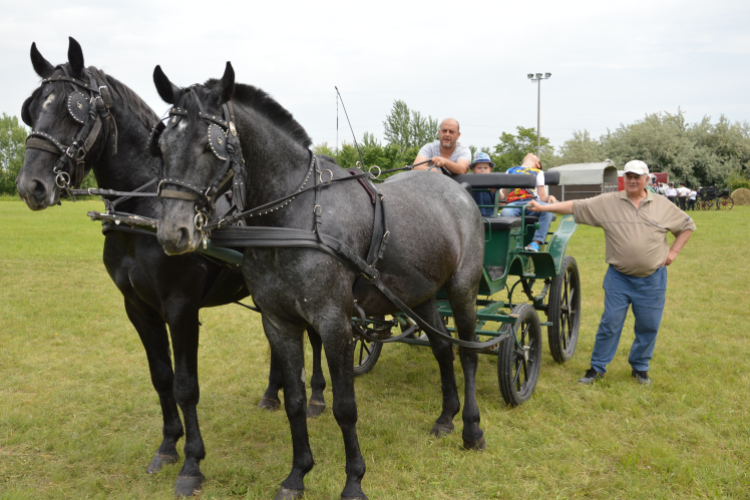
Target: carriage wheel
x=564, y=311
x=366, y=354
x=518, y=363
x=725, y=203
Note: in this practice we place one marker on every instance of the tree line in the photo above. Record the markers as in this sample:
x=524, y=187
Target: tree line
x=698, y=154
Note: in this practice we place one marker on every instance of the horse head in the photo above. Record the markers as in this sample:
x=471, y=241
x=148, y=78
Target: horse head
x=58, y=112
x=196, y=148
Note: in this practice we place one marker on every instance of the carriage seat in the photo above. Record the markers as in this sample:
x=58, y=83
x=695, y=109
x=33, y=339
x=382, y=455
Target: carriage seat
x=501, y=223
x=496, y=181
x=506, y=181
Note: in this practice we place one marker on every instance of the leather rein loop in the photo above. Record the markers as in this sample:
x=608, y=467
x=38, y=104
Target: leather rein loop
x=90, y=115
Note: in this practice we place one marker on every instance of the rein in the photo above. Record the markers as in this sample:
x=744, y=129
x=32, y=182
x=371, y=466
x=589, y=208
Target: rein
x=88, y=106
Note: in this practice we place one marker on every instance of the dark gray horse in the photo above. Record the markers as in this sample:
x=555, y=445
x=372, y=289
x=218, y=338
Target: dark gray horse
x=159, y=290
x=437, y=241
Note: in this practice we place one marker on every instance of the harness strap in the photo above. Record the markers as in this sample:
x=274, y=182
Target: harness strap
x=273, y=205
x=179, y=195
x=34, y=143
x=284, y=237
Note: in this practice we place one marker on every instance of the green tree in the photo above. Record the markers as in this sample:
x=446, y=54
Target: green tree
x=324, y=149
x=12, y=150
x=407, y=128
x=581, y=149
x=512, y=149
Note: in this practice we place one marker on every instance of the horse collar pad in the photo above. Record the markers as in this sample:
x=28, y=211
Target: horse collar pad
x=217, y=139
x=78, y=106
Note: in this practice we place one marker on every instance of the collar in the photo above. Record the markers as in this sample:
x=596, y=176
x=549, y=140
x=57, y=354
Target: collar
x=649, y=196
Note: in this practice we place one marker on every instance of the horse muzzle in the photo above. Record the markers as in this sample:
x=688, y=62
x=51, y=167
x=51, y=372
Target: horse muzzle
x=37, y=193
x=178, y=239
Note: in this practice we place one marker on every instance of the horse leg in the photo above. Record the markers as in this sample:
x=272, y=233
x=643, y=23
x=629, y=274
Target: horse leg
x=317, y=403
x=270, y=400
x=184, y=328
x=443, y=352
x=463, y=305
x=337, y=339
x=153, y=333
x=286, y=343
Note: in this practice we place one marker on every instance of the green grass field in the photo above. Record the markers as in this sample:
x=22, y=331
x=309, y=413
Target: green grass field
x=79, y=418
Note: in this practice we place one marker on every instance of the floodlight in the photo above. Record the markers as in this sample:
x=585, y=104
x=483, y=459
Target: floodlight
x=547, y=75
x=530, y=75
x=538, y=75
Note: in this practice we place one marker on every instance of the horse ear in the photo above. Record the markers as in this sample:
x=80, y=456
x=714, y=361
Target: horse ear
x=75, y=56
x=167, y=90
x=225, y=87
x=42, y=66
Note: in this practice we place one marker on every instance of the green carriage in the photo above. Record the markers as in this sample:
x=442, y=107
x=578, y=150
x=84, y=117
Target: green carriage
x=515, y=285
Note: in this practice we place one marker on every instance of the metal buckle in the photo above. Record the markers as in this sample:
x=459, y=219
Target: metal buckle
x=200, y=220
x=320, y=176
x=62, y=179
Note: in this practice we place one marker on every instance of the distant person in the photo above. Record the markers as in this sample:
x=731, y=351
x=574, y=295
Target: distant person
x=692, y=198
x=635, y=224
x=682, y=194
x=517, y=198
x=672, y=193
x=483, y=164
x=446, y=153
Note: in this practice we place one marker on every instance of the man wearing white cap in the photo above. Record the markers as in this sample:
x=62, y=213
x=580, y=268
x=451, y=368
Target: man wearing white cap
x=635, y=224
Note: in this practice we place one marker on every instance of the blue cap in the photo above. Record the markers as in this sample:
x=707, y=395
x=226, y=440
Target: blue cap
x=482, y=158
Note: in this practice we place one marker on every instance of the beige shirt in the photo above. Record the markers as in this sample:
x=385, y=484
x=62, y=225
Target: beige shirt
x=636, y=238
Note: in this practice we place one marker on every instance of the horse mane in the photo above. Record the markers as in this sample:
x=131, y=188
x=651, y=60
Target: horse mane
x=264, y=104
x=132, y=101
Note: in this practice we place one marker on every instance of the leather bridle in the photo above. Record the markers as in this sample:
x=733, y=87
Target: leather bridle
x=87, y=105
x=225, y=145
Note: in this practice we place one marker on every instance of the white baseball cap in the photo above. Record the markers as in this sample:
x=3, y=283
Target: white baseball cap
x=637, y=167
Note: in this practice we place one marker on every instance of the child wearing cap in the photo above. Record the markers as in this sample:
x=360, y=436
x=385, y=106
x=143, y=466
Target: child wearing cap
x=483, y=164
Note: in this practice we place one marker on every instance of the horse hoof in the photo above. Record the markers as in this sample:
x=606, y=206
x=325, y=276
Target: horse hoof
x=478, y=445
x=269, y=404
x=285, y=494
x=315, y=409
x=440, y=430
x=363, y=497
x=160, y=461
x=187, y=486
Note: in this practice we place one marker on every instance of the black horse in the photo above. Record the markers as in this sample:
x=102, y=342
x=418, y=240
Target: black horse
x=436, y=240
x=159, y=290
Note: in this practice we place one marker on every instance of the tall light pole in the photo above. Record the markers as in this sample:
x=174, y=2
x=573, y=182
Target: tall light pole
x=538, y=78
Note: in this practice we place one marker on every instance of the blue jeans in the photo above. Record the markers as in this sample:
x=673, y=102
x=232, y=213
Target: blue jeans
x=647, y=296
x=545, y=218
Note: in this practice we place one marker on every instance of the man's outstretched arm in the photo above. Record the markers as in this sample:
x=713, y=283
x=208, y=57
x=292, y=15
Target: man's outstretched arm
x=561, y=207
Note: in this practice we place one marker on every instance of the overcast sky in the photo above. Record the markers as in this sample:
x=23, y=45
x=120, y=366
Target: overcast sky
x=611, y=62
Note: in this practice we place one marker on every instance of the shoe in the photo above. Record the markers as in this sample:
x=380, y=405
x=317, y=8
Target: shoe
x=590, y=377
x=532, y=247
x=641, y=377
